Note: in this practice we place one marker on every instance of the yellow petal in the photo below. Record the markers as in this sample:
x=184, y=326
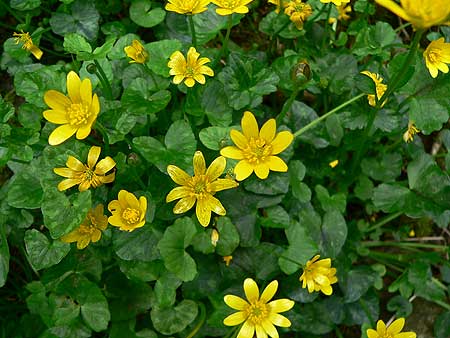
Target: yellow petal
x=65, y=172
x=249, y=125
x=96, y=235
x=73, y=87
x=269, y=291
x=184, y=205
x=199, y=164
x=200, y=78
x=381, y=328
x=177, y=79
x=326, y=289
x=394, y=8
x=247, y=330
x=268, y=130
x=143, y=207
x=222, y=184
x=84, y=185
x=56, y=100
x=405, y=335
x=189, y=82
x=216, y=168
x=95, y=106
x=86, y=92
x=232, y=152
x=277, y=164
x=61, y=134
x=93, y=155
x=83, y=132
x=269, y=328
x=251, y=290
x=262, y=170
x=243, y=170
x=56, y=116
x=203, y=211
x=279, y=320
x=396, y=326
x=281, y=142
x=114, y=206
x=104, y=166
x=235, y=302
x=371, y=333
x=224, y=11
x=281, y=305
x=215, y=206
x=36, y=52
x=122, y=197
x=177, y=193
x=75, y=164
x=178, y=175
x=132, y=201
x=239, y=139
x=260, y=332
x=67, y=184
x=115, y=220
x=235, y=319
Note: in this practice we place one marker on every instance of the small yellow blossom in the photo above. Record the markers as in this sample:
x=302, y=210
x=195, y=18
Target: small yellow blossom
x=90, y=230
x=136, y=52
x=333, y=164
x=342, y=13
x=214, y=237
x=28, y=44
x=437, y=56
x=188, y=7
x=422, y=14
x=318, y=275
x=128, y=213
x=228, y=7
x=190, y=70
x=93, y=174
x=76, y=112
x=392, y=331
x=227, y=260
x=379, y=85
x=257, y=148
x=408, y=136
x=258, y=314
x=412, y=233
x=298, y=12
x=335, y=2
x=200, y=188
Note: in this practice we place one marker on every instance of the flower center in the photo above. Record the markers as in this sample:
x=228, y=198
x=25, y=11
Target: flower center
x=257, y=312
x=25, y=38
x=190, y=71
x=199, y=186
x=230, y=3
x=433, y=56
x=86, y=229
x=131, y=216
x=78, y=114
x=257, y=151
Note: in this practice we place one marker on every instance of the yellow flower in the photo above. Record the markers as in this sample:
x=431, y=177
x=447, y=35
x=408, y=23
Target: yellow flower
x=257, y=149
x=28, y=44
x=90, y=230
x=190, y=70
x=136, y=52
x=257, y=313
x=318, y=275
x=298, y=12
x=392, y=331
x=188, y=7
x=227, y=260
x=128, y=213
x=93, y=174
x=228, y=7
x=335, y=2
x=342, y=13
x=76, y=113
x=200, y=188
x=437, y=55
x=421, y=13
x=214, y=237
x=333, y=164
x=408, y=136
x=379, y=85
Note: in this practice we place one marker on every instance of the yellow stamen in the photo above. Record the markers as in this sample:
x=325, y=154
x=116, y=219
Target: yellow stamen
x=131, y=216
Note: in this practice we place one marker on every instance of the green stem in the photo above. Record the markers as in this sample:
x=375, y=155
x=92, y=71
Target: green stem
x=287, y=105
x=311, y=21
x=149, y=71
x=104, y=80
x=227, y=36
x=325, y=34
x=192, y=27
x=399, y=28
x=442, y=304
x=385, y=220
x=201, y=321
x=380, y=258
x=291, y=260
x=405, y=245
x=274, y=35
x=323, y=117
x=104, y=133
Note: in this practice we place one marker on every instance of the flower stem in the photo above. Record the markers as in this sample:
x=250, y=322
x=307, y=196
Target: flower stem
x=288, y=105
x=227, y=36
x=325, y=34
x=104, y=80
x=384, y=221
x=405, y=245
x=201, y=321
x=192, y=27
x=323, y=117
x=104, y=133
x=149, y=71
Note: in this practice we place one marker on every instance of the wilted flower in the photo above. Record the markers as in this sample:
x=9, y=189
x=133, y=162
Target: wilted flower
x=136, y=52
x=392, y=331
x=90, y=230
x=128, y=213
x=257, y=313
x=188, y=7
x=298, y=12
x=190, y=70
x=257, y=149
x=408, y=136
x=437, y=55
x=28, y=44
x=93, y=174
x=200, y=188
x=76, y=113
x=335, y=2
x=379, y=86
x=422, y=14
x=228, y=7
x=227, y=259
x=318, y=275
x=342, y=13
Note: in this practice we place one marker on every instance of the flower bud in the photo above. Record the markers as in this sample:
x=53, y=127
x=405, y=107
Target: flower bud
x=301, y=72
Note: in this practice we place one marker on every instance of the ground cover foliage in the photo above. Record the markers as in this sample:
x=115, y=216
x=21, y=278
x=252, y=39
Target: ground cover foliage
x=138, y=195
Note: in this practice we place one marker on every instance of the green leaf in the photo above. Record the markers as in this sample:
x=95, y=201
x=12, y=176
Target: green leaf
x=25, y=181
x=142, y=14
x=159, y=52
x=24, y=5
x=180, y=145
x=442, y=325
x=176, y=239
x=334, y=233
x=140, y=244
x=330, y=203
x=65, y=310
x=76, y=44
x=400, y=305
x=428, y=114
x=229, y=237
x=42, y=252
x=390, y=197
x=166, y=290
x=374, y=40
x=275, y=217
x=215, y=104
x=214, y=137
x=139, y=99
x=171, y=320
x=356, y=283
x=385, y=169
x=276, y=183
x=4, y=256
